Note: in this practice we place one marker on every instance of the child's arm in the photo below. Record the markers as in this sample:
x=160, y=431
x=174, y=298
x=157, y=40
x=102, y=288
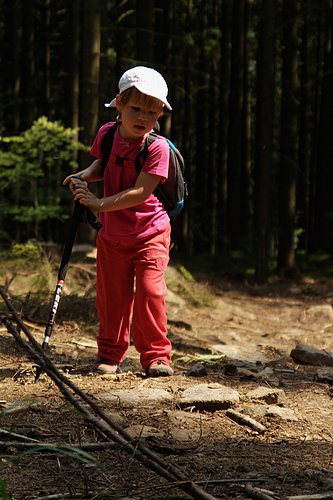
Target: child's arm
x=144, y=186
x=92, y=173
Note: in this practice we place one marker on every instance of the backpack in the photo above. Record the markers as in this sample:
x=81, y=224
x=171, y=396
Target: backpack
x=173, y=190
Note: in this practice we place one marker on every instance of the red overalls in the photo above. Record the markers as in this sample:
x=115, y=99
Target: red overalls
x=118, y=264
x=132, y=252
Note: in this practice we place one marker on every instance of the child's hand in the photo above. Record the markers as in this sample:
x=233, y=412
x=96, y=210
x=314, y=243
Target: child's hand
x=73, y=180
x=86, y=197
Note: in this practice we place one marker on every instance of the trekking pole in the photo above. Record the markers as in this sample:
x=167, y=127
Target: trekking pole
x=80, y=214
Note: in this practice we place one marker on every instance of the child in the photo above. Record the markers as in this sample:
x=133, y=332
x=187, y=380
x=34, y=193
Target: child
x=134, y=241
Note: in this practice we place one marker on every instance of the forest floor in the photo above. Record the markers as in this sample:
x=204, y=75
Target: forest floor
x=227, y=335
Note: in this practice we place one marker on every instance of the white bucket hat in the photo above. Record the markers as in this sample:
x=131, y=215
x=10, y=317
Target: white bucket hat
x=146, y=80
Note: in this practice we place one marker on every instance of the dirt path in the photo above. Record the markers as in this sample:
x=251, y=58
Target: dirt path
x=226, y=337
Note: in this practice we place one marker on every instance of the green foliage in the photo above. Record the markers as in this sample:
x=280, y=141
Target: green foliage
x=185, y=272
x=31, y=250
x=206, y=359
x=34, y=253
x=32, y=168
x=3, y=493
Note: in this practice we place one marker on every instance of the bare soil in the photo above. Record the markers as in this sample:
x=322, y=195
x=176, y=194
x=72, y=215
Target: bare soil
x=256, y=328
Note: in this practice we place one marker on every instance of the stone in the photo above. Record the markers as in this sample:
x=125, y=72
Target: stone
x=279, y=412
x=267, y=394
x=271, y=411
x=248, y=353
x=310, y=356
x=197, y=370
x=209, y=397
x=324, y=375
x=318, y=313
x=144, y=431
x=130, y=398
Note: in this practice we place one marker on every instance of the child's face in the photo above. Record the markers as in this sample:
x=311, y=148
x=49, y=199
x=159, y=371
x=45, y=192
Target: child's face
x=137, y=116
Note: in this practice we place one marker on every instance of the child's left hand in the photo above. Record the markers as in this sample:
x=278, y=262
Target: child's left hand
x=86, y=197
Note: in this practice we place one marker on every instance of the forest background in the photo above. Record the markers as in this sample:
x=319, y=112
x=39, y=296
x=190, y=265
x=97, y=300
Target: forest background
x=251, y=86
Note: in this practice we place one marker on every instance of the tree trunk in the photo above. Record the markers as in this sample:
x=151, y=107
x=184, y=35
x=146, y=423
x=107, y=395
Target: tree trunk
x=73, y=64
x=264, y=137
x=202, y=184
x=46, y=84
x=145, y=29
x=288, y=141
x=323, y=222
x=212, y=200
x=186, y=122
x=246, y=164
x=319, y=51
x=236, y=124
x=28, y=64
x=89, y=94
x=305, y=133
x=89, y=88
x=226, y=24
x=11, y=65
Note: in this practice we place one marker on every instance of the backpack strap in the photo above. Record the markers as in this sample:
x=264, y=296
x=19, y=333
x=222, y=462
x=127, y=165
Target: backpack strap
x=106, y=145
x=106, y=148
x=143, y=153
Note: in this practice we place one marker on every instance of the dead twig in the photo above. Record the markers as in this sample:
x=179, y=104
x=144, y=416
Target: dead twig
x=258, y=494
x=45, y=447
x=244, y=420
x=17, y=436
x=177, y=484
x=328, y=495
x=59, y=496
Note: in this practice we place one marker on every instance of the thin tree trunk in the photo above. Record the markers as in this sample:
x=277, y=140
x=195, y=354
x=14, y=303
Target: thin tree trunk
x=73, y=65
x=323, y=228
x=12, y=66
x=27, y=64
x=226, y=24
x=202, y=184
x=145, y=29
x=89, y=87
x=304, y=133
x=189, y=145
x=46, y=90
x=89, y=95
x=246, y=174
x=321, y=23
x=213, y=152
x=289, y=141
x=236, y=121
x=264, y=137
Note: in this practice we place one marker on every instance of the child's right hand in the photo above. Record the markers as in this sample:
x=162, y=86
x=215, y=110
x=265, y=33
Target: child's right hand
x=79, y=175
x=92, y=173
x=75, y=179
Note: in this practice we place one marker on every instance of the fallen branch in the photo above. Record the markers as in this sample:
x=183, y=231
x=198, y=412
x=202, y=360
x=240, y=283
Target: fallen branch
x=104, y=423
x=17, y=436
x=328, y=495
x=176, y=484
x=60, y=496
x=45, y=447
x=244, y=420
x=168, y=486
x=257, y=494
x=35, y=325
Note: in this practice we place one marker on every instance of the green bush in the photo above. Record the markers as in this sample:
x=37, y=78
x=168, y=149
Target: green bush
x=33, y=165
